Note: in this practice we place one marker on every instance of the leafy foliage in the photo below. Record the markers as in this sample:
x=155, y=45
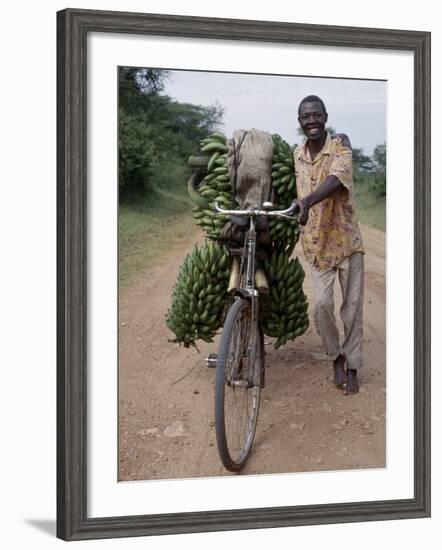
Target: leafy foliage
x=358, y=159
x=380, y=157
x=136, y=153
x=156, y=132
x=378, y=183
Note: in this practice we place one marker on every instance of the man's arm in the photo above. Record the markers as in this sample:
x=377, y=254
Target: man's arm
x=329, y=186
x=341, y=171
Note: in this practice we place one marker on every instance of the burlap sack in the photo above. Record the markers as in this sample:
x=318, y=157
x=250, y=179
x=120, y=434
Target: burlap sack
x=249, y=161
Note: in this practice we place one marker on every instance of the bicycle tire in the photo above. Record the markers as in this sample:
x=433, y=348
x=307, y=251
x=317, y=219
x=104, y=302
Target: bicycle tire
x=234, y=454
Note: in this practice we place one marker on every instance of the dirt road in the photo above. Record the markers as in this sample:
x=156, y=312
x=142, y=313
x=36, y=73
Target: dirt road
x=166, y=393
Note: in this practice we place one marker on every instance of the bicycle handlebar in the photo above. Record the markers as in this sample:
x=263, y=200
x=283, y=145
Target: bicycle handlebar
x=254, y=212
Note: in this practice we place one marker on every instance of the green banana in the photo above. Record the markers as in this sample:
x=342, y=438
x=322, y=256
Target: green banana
x=214, y=146
x=195, y=196
x=287, y=305
x=199, y=295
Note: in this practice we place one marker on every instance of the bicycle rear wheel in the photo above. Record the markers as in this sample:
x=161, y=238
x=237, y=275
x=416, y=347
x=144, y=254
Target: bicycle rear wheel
x=237, y=386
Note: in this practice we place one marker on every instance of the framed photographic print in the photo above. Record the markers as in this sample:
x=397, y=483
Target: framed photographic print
x=144, y=274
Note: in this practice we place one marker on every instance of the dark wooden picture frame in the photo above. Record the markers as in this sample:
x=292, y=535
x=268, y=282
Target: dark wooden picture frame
x=73, y=27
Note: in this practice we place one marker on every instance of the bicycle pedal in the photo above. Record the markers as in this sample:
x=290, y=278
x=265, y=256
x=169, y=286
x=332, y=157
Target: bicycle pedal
x=212, y=360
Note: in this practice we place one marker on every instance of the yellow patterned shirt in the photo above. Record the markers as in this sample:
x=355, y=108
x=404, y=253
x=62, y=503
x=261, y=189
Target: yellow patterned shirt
x=331, y=232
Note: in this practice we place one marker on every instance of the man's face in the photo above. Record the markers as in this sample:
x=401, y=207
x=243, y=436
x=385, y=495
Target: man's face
x=312, y=120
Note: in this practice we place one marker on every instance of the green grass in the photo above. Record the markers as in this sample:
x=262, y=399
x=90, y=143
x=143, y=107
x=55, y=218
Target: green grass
x=370, y=207
x=149, y=228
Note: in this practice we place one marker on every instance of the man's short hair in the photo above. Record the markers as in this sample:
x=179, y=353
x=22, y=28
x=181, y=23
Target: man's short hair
x=311, y=99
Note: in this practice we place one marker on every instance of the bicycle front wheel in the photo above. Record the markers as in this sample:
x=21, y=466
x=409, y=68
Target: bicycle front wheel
x=237, y=385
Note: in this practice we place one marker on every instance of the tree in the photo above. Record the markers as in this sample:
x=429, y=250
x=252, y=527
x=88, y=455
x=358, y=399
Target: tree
x=380, y=160
x=156, y=134
x=136, y=155
x=136, y=87
x=359, y=158
x=380, y=157
x=189, y=124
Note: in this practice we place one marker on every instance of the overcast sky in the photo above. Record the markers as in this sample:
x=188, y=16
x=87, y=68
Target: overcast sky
x=268, y=102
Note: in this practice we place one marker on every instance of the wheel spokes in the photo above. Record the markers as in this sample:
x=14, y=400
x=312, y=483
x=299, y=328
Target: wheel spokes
x=241, y=399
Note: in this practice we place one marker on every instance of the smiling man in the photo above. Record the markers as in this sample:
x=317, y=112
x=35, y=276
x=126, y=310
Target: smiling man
x=331, y=238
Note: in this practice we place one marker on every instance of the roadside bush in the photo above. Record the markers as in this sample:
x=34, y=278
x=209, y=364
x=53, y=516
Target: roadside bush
x=136, y=155
x=374, y=184
x=171, y=174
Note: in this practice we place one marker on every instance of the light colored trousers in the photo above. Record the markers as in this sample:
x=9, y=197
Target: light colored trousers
x=351, y=279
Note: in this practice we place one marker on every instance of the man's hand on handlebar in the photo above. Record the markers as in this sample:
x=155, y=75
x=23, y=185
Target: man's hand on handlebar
x=302, y=209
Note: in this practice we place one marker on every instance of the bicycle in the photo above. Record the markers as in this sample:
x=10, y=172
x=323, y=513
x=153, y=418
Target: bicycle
x=240, y=362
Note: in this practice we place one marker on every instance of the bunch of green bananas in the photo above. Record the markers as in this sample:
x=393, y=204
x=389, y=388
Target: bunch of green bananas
x=215, y=186
x=284, y=232
x=199, y=295
x=285, y=311
x=283, y=175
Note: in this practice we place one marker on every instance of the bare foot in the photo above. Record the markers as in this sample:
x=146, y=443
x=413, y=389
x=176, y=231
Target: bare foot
x=339, y=368
x=352, y=385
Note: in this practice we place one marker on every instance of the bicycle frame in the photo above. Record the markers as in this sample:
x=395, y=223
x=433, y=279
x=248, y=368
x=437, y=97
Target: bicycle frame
x=250, y=290
x=241, y=367
x=250, y=239
x=249, y=249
